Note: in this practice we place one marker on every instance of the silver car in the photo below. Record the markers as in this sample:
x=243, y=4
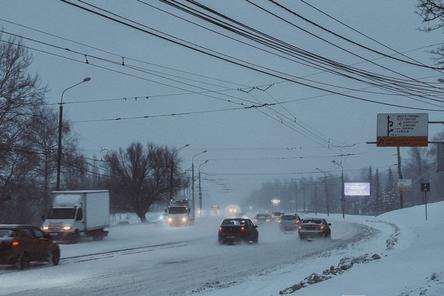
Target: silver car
x=289, y=222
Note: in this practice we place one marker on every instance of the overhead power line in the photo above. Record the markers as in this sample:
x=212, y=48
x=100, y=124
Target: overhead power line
x=211, y=53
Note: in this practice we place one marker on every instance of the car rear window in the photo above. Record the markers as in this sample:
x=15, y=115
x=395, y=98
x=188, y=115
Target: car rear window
x=288, y=217
x=6, y=233
x=314, y=221
x=234, y=222
x=263, y=216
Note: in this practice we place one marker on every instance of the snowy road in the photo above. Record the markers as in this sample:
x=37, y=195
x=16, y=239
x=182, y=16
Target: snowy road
x=153, y=259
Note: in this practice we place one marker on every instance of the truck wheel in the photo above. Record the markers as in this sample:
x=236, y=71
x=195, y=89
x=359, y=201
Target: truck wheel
x=98, y=235
x=54, y=256
x=75, y=237
x=22, y=261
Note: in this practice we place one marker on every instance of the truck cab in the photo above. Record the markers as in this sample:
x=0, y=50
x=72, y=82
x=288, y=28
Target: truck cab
x=64, y=223
x=178, y=213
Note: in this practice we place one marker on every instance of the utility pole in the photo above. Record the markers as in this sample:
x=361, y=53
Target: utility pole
x=59, y=147
x=401, y=197
x=342, y=186
x=172, y=170
x=327, y=203
x=200, y=188
x=192, y=182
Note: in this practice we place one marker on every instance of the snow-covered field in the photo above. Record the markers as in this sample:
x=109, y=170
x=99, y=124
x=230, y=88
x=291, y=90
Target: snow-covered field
x=153, y=259
x=411, y=264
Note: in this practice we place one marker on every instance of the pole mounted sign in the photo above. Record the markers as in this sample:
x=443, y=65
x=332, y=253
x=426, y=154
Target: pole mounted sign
x=402, y=130
x=405, y=184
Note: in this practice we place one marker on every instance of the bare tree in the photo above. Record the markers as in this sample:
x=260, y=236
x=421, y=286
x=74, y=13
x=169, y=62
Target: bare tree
x=140, y=175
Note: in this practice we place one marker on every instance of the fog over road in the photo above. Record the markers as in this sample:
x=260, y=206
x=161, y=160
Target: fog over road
x=153, y=259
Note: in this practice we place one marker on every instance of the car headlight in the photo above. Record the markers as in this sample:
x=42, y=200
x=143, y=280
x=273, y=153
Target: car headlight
x=66, y=227
x=46, y=227
x=184, y=219
x=170, y=220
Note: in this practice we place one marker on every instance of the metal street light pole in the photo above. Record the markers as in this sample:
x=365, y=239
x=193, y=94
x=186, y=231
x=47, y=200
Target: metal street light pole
x=200, y=188
x=59, y=148
x=192, y=182
x=342, y=180
x=172, y=170
x=327, y=203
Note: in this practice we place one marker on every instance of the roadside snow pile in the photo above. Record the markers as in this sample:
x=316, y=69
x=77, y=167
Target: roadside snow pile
x=344, y=264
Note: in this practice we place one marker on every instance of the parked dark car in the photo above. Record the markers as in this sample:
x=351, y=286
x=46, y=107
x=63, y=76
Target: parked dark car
x=310, y=227
x=236, y=230
x=263, y=218
x=21, y=244
x=289, y=222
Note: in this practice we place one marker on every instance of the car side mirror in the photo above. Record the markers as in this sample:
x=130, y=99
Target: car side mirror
x=43, y=218
x=165, y=211
x=329, y=224
x=255, y=226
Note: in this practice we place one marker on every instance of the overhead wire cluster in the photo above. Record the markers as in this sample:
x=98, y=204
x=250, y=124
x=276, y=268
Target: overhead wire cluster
x=207, y=18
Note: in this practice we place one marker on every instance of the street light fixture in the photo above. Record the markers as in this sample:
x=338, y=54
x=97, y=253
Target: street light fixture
x=327, y=203
x=59, y=148
x=192, y=181
x=172, y=170
x=200, y=187
x=342, y=181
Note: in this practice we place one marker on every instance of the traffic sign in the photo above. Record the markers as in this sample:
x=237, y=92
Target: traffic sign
x=402, y=129
x=425, y=187
x=405, y=184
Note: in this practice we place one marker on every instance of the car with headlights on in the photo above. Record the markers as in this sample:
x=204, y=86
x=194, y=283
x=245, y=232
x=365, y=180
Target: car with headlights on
x=314, y=227
x=262, y=218
x=22, y=244
x=234, y=230
x=289, y=222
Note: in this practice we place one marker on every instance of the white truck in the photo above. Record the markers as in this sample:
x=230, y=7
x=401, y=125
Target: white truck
x=178, y=213
x=76, y=213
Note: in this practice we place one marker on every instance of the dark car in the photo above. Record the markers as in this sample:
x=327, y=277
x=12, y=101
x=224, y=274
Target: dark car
x=21, y=244
x=289, y=222
x=236, y=230
x=263, y=218
x=310, y=227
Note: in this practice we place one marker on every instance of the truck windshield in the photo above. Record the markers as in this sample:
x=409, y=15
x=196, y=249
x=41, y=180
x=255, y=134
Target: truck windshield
x=177, y=210
x=61, y=213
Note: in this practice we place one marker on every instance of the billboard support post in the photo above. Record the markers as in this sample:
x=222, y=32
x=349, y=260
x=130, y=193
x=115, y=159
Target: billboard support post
x=425, y=187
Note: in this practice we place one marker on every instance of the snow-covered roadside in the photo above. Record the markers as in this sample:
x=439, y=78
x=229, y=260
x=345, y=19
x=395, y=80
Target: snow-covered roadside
x=412, y=262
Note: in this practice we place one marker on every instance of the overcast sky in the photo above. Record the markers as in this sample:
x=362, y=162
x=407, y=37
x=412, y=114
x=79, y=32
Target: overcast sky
x=245, y=147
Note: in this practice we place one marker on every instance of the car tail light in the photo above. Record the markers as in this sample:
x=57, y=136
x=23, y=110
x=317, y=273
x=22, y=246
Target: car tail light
x=242, y=229
x=221, y=229
x=15, y=243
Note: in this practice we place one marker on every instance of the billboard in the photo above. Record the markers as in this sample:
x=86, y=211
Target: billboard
x=402, y=130
x=356, y=189
x=405, y=184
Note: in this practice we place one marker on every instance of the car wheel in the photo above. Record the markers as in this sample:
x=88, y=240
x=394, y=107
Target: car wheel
x=54, y=256
x=22, y=261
